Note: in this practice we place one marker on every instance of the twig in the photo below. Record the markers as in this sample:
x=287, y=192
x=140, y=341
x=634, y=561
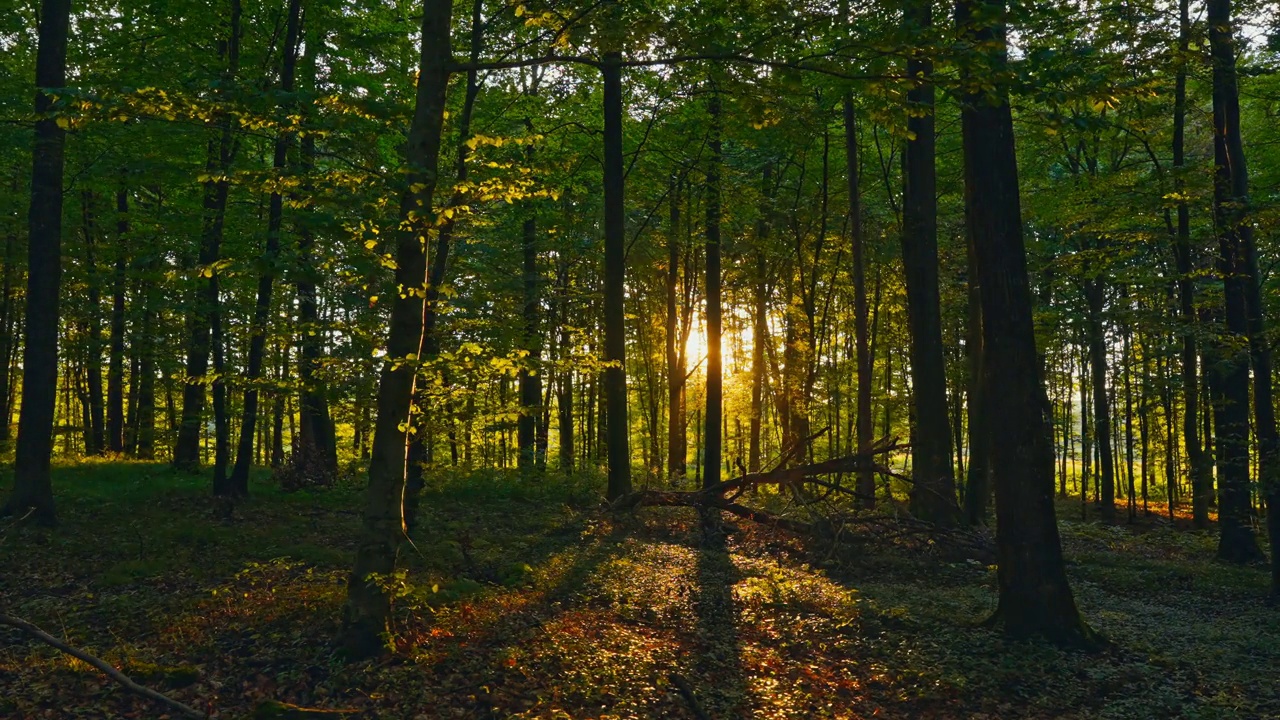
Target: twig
x=100, y=664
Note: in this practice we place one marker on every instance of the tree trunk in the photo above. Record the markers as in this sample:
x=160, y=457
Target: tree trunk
x=115, y=363
x=530, y=377
x=862, y=354
x=1035, y=598
x=32, y=489
x=204, y=301
x=677, y=443
x=1237, y=265
x=1094, y=295
x=1201, y=472
x=96, y=435
x=239, y=480
x=564, y=383
x=615, y=335
x=978, y=485
x=715, y=397
x=368, y=606
x=933, y=491
x=8, y=333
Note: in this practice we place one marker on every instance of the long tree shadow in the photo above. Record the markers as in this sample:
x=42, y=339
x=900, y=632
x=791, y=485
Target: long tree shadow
x=720, y=689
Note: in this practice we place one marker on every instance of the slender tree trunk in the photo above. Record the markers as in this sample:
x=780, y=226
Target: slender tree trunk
x=715, y=399
x=564, y=383
x=1237, y=264
x=530, y=378
x=32, y=489
x=96, y=437
x=221, y=419
x=862, y=354
x=437, y=272
x=368, y=606
x=317, y=437
x=760, y=320
x=204, y=301
x=1035, y=598
x=978, y=486
x=1094, y=294
x=933, y=491
x=8, y=332
x=677, y=444
x=1200, y=470
x=615, y=337
x=115, y=363
x=239, y=480
x=1127, y=362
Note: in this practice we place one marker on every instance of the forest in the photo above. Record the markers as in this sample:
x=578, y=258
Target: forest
x=634, y=359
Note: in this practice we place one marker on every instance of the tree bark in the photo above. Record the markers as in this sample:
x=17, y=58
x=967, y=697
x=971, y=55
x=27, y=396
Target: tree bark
x=1035, y=598
x=933, y=491
x=677, y=442
x=368, y=605
x=715, y=381
x=204, y=301
x=1094, y=295
x=866, y=497
x=239, y=480
x=617, y=426
x=1201, y=472
x=1237, y=265
x=95, y=431
x=115, y=362
x=32, y=489
x=8, y=333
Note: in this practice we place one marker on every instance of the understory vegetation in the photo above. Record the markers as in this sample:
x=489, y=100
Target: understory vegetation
x=527, y=600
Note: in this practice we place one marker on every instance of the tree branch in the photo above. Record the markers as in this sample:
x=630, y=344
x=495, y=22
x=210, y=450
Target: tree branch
x=100, y=664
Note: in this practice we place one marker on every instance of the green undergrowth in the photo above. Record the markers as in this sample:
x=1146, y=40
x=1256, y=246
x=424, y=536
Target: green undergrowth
x=525, y=599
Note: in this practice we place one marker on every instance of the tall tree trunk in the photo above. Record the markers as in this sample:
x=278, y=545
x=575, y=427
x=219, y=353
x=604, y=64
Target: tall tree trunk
x=204, y=301
x=760, y=320
x=1237, y=264
x=115, y=362
x=933, y=490
x=32, y=489
x=221, y=420
x=564, y=383
x=1094, y=295
x=862, y=353
x=437, y=272
x=239, y=480
x=715, y=396
x=8, y=333
x=978, y=485
x=368, y=604
x=96, y=435
x=615, y=334
x=1035, y=598
x=317, y=437
x=677, y=449
x=530, y=377
x=1200, y=470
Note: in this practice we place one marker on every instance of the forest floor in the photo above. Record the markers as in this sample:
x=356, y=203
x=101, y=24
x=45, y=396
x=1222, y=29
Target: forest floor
x=527, y=601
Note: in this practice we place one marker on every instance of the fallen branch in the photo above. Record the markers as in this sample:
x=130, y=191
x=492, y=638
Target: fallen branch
x=100, y=664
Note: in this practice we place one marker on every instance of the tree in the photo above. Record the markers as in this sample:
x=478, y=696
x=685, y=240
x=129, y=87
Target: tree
x=32, y=488
x=615, y=338
x=1237, y=542
x=933, y=492
x=1035, y=598
x=368, y=605
x=239, y=480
